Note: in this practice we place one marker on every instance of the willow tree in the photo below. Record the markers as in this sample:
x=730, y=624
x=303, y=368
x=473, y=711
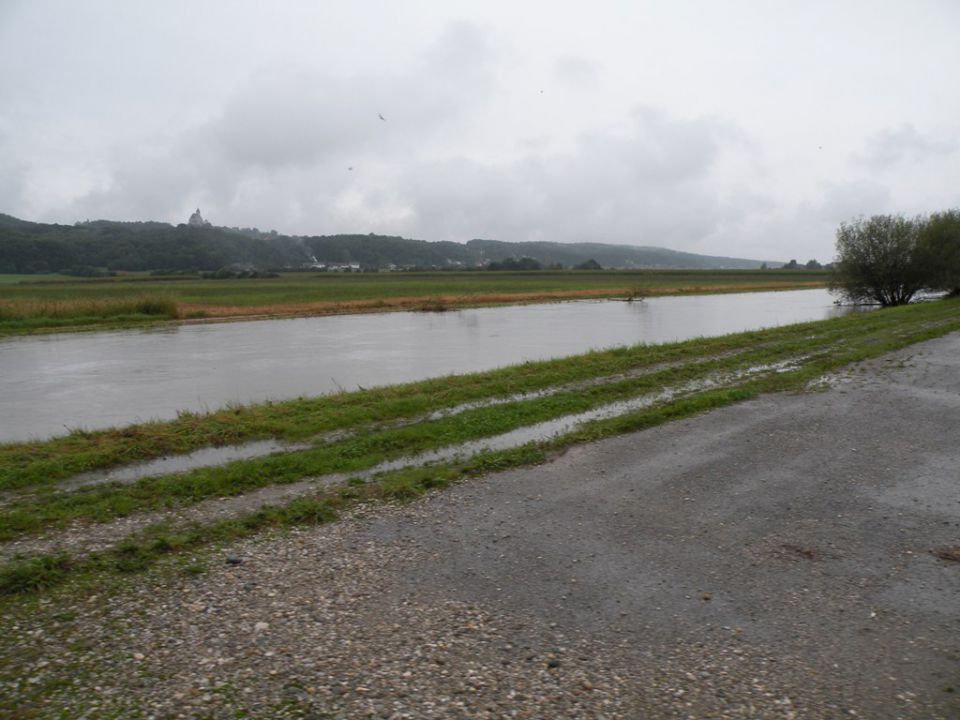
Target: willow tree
x=879, y=260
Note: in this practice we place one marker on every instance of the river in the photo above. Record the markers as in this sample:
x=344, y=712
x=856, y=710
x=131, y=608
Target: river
x=51, y=384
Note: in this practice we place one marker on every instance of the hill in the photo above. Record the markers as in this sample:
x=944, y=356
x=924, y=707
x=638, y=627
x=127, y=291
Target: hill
x=612, y=256
x=29, y=247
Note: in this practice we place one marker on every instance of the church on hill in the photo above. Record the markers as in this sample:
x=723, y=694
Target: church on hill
x=196, y=220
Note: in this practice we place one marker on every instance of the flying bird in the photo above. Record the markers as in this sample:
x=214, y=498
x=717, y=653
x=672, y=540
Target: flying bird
x=381, y=117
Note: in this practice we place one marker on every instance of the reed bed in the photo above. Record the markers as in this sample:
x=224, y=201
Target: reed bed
x=25, y=309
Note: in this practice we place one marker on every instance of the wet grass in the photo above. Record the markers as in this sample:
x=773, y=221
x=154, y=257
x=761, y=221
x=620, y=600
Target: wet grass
x=335, y=293
x=817, y=348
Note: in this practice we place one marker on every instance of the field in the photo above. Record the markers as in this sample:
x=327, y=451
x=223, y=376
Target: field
x=53, y=303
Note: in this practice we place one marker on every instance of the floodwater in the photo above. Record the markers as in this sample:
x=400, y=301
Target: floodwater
x=55, y=383
x=214, y=456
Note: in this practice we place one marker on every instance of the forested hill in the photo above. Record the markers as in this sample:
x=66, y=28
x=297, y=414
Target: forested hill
x=28, y=247
x=572, y=254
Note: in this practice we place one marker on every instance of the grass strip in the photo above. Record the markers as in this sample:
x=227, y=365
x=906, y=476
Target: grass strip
x=143, y=550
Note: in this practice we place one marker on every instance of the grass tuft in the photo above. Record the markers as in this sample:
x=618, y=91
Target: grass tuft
x=32, y=575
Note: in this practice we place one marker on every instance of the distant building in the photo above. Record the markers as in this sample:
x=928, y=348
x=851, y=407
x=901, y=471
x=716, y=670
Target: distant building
x=196, y=220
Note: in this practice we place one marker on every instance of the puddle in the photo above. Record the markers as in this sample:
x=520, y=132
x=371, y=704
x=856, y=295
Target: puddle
x=207, y=457
x=211, y=457
x=568, y=423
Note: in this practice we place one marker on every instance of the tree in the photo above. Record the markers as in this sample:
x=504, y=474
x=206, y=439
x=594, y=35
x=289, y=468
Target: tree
x=878, y=260
x=813, y=265
x=590, y=264
x=939, y=245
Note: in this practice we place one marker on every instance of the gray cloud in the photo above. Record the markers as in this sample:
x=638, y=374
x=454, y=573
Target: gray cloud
x=894, y=146
x=648, y=185
x=578, y=72
x=285, y=140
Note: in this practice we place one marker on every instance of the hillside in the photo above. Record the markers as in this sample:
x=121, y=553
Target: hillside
x=28, y=247
x=614, y=256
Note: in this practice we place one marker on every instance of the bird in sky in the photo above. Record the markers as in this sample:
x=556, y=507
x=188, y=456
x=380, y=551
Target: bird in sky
x=381, y=117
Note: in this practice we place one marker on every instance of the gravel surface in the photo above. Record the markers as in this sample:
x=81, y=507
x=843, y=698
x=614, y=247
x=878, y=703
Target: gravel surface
x=781, y=558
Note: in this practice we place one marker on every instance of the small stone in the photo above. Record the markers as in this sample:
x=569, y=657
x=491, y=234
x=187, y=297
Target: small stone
x=234, y=559
x=261, y=627
x=553, y=663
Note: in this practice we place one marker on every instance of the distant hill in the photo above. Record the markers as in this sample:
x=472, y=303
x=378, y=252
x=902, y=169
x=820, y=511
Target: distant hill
x=609, y=256
x=28, y=247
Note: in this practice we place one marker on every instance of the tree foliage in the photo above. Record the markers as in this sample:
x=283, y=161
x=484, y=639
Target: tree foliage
x=28, y=247
x=939, y=248
x=879, y=260
x=524, y=263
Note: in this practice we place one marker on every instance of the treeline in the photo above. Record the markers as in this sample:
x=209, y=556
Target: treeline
x=607, y=255
x=383, y=251
x=102, y=246
x=888, y=259
x=38, y=248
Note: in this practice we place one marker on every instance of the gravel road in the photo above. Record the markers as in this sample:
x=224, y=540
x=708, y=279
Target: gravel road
x=773, y=559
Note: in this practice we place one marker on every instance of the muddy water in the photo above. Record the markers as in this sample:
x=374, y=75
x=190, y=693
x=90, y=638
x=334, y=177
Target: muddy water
x=51, y=384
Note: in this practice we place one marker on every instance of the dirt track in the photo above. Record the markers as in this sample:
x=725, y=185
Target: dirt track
x=770, y=559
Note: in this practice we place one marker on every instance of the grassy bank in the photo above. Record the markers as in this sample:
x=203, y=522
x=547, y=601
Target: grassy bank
x=29, y=314
x=398, y=422
x=44, y=304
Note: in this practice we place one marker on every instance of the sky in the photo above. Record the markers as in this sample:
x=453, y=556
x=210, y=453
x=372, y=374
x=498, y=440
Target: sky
x=724, y=127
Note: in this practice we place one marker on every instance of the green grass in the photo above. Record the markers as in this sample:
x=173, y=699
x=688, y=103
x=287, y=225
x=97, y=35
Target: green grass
x=339, y=287
x=10, y=279
x=317, y=293
x=817, y=348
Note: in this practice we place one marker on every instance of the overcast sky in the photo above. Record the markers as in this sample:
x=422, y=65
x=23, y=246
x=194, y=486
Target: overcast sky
x=749, y=129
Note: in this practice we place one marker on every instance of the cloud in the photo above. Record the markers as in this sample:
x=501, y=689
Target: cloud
x=298, y=116
x=650, y=184
x=283, y=143
x=656, y=181
x=578, y=72
x=841, y=202
x=894, y=146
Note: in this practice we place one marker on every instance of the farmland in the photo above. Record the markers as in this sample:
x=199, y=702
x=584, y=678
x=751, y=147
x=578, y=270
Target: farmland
x=30, y=304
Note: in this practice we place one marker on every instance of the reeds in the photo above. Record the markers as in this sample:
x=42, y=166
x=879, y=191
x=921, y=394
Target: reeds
x=31, y=309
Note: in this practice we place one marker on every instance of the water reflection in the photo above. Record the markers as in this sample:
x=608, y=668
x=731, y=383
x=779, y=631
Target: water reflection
x=53, y=383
